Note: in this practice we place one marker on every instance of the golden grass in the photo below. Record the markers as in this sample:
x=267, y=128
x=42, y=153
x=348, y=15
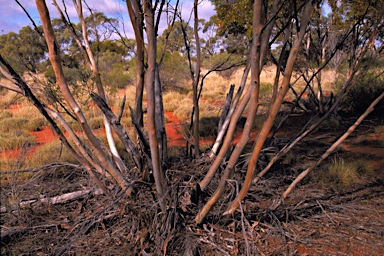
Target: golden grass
x=53, y=151
x=14, y=140
x=341, y=173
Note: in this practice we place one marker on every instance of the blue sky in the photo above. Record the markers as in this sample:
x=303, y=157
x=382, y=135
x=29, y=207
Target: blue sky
x=12, y=17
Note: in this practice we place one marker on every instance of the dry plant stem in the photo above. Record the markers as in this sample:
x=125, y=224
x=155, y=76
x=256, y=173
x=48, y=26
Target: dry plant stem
x=263, y=53
x=11, y=88
x=113, y=120
x=25, y=90
x=333, y=147
x=136, y=17
x=228, y=119
x=254, y=89
x=150, y=83
x=288, y=147
x=58, y=117
x=274, y=107
x=159, y=118
x=227, y=141
x=54, y=200
x=99, y=86
x=353, y=74
x=226, y=106
x=56, y=64
x=196, y=80
x=88, y=56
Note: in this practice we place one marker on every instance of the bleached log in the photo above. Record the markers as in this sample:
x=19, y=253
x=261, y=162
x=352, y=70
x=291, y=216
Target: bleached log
x=54, y=200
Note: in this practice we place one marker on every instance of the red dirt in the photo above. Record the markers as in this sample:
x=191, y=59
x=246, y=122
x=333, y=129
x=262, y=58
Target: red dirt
x=172, y=128
x=14, y=108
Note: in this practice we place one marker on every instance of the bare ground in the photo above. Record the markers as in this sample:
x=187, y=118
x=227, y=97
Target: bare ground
x=316, y=219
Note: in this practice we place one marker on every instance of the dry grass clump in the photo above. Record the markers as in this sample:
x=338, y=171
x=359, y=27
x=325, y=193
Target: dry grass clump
x=53, y=151
x=379, y=129
x=171, y=100
x=184, y=109
x=14, y=140
x=341, y=173
x=12, y=124
x=8, y=98
x=7, y=164
x=5, y=114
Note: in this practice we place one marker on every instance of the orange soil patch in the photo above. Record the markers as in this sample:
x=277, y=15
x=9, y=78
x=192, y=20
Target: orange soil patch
x=14, y=108
x=44, y=136
x=172, y=128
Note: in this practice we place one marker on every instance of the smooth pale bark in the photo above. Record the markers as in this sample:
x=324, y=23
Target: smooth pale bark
x=150, y=86
x=226, y=106
x=274, y=108
x=136, y=16
x=90, y=59
x=254, y=89
x=228, y=120
x=330, y=149
x=196, y=79
x=100, y=89
x=55, y=59
x=119, y=129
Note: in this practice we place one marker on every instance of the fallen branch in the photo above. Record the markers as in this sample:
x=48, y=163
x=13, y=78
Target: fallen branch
x=327, y=153
x=54, y=200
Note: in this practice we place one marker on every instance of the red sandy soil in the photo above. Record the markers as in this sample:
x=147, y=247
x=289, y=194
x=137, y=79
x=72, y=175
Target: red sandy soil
x=175, y=138
x=14, y=108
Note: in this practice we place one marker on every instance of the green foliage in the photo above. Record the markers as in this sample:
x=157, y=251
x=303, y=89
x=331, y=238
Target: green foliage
x=367, y=89
x=174, y=71
x=23, y=51
x=233, y=17
x=175, y=40
x=231, y=63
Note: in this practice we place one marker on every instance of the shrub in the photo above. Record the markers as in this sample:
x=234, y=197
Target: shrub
x=174, y=70
x=367, y=89
x=36, y=124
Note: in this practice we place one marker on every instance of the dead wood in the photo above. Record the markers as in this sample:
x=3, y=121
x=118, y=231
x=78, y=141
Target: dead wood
x=53, y=200
x=119, y=129
x=226, y=106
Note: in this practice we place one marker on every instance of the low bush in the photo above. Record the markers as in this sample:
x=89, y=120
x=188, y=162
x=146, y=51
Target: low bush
x=362, y=94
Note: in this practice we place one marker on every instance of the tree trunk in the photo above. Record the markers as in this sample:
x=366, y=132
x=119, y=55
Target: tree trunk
x=274, y=108
x=55, y=59
x=150, y=86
